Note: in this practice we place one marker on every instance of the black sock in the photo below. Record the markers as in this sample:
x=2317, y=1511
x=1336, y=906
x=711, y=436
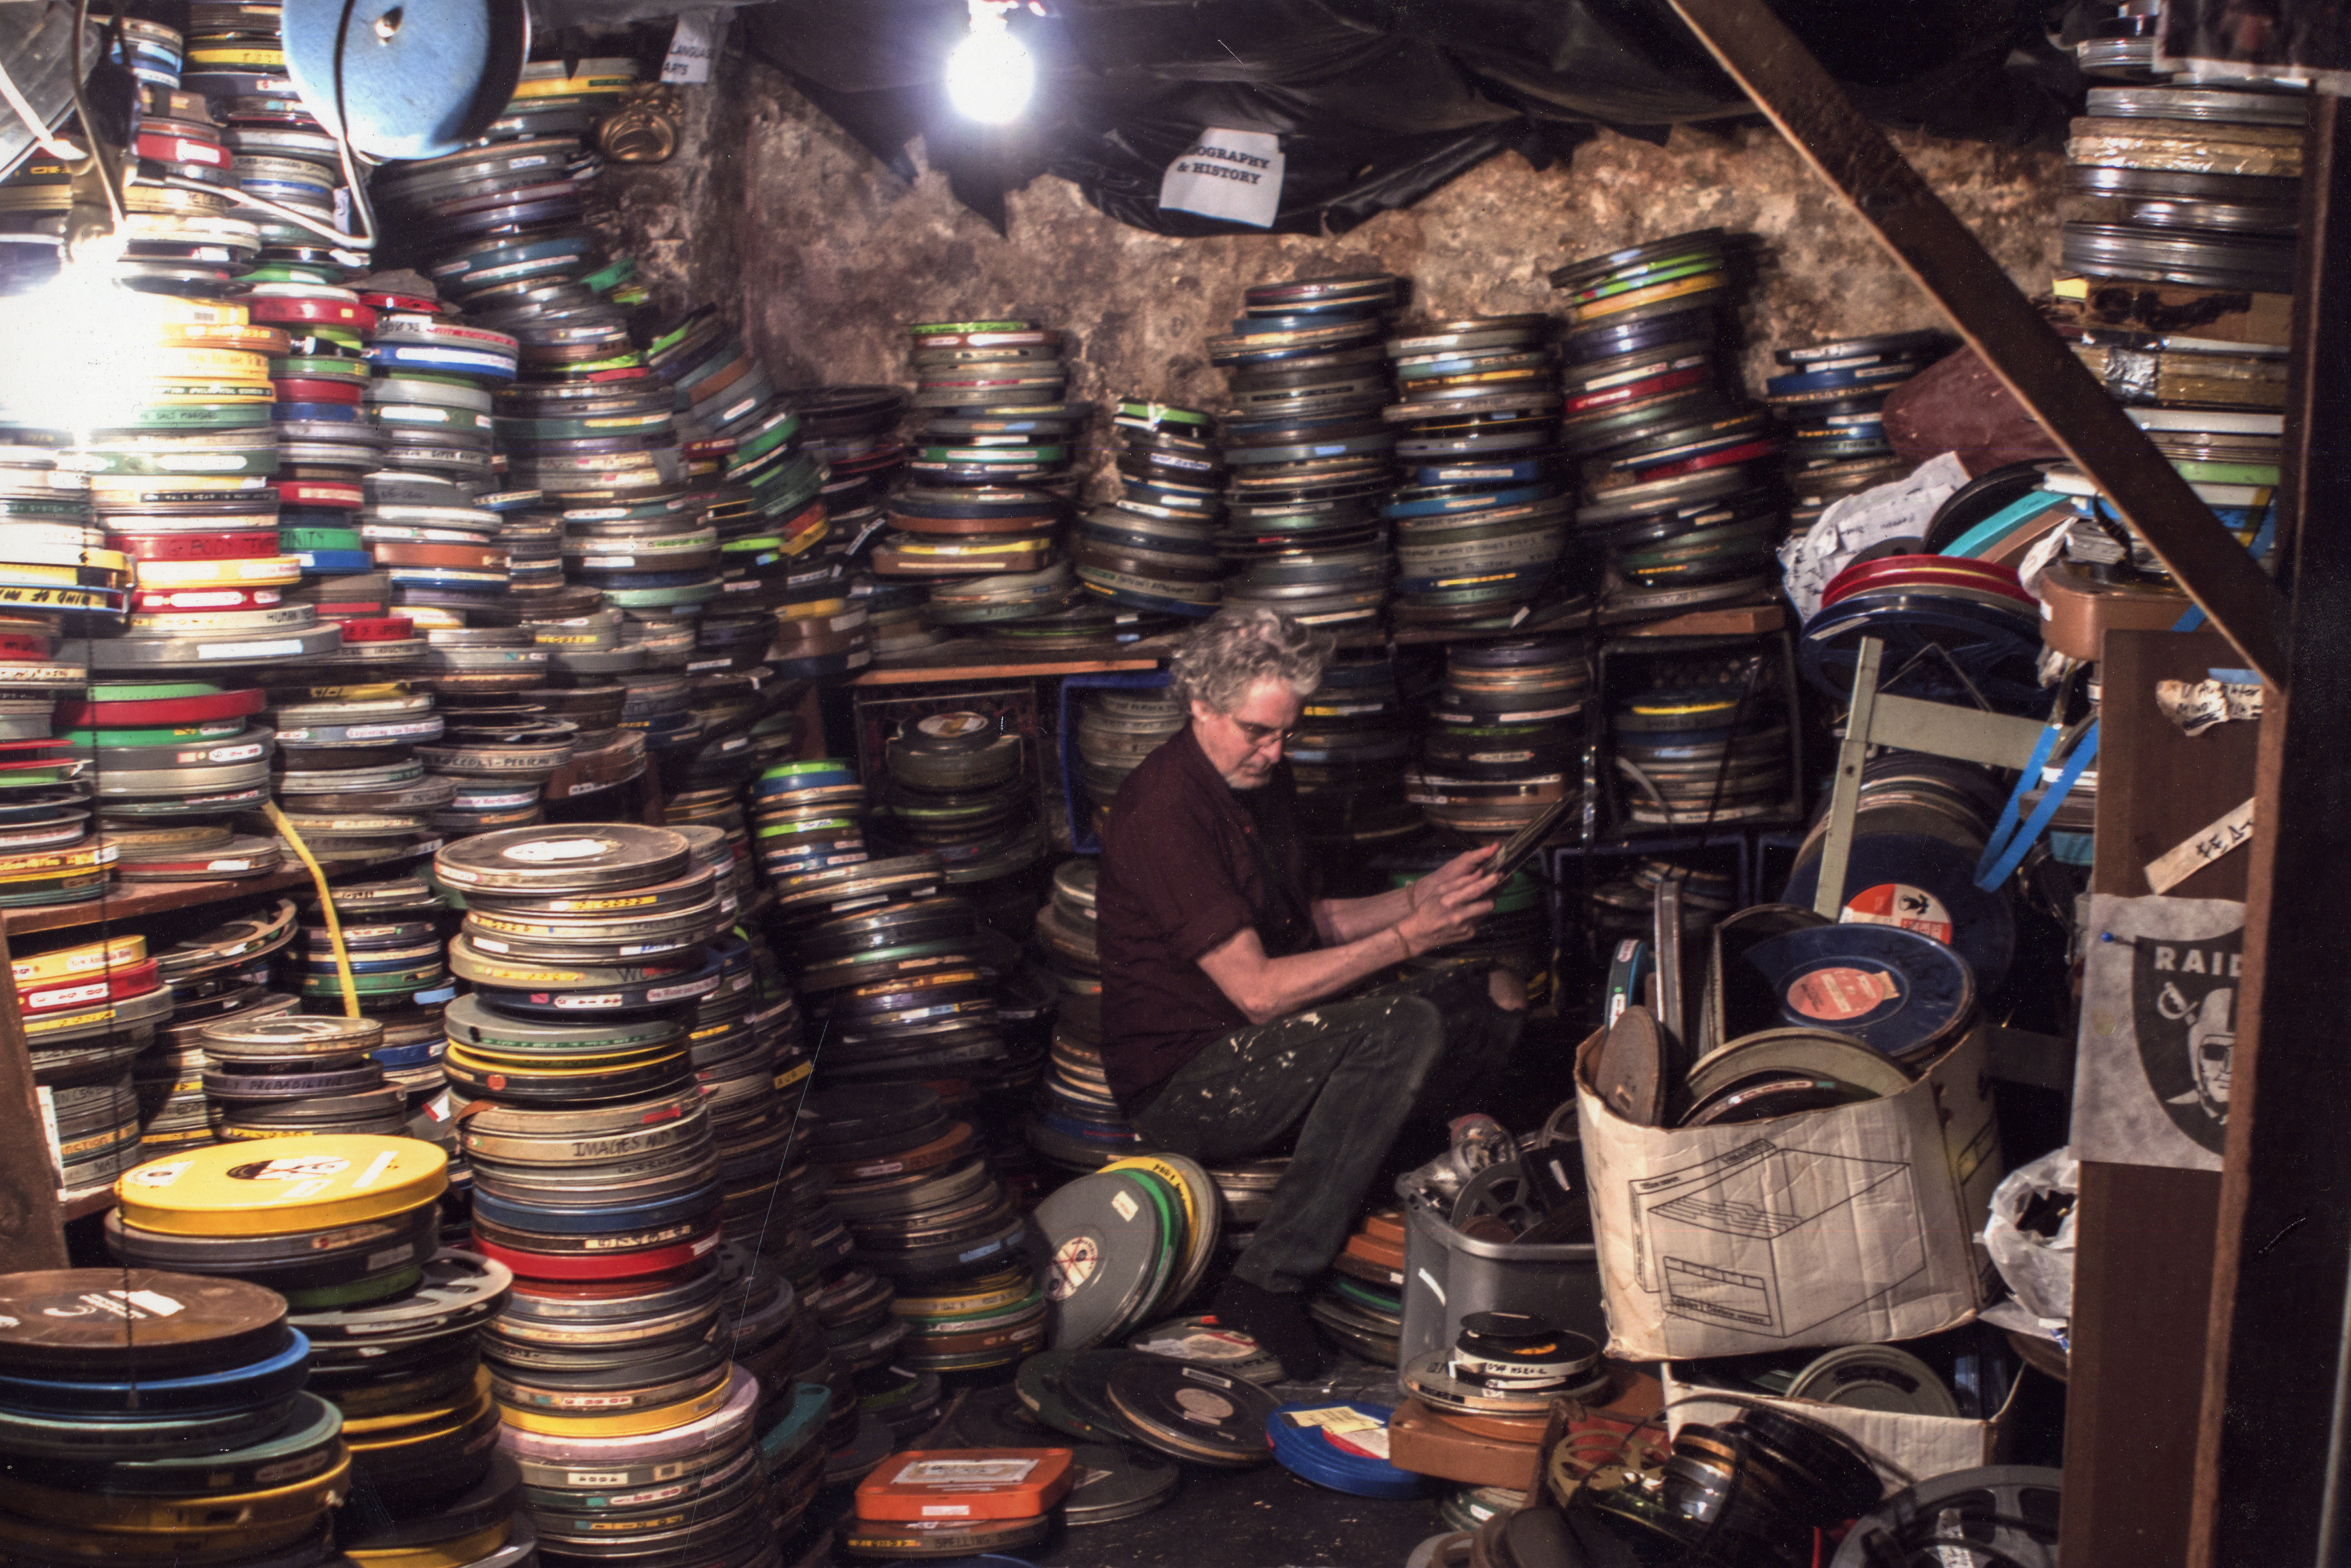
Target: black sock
x=1278, y=1322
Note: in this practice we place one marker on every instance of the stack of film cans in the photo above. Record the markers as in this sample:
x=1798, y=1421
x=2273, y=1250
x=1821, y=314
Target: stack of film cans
x=298, y=1073
x=1151, y=558
x=596, y=1175
x=1831, y=398
x=1506, y=737
x=1702, y=739
x=1678, y=472
x=851, y=431
x=750, y=464
x=2207, y=174
x=1077, y=1125
x=1308, y=457
x=1349, y=757
x=807, y=819
x=989, y=477
x=1117, y=728
x=390, y=929
x=146, y=1406
x=1482, y=518
x=899, y=978
x=389, y=1320
x=1065, y=928
x=215, y=976
x=45, y=816
x=956, y=788
x=88, y=1013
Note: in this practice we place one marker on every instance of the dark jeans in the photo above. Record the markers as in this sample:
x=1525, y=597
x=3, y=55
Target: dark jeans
x=1348, y=1075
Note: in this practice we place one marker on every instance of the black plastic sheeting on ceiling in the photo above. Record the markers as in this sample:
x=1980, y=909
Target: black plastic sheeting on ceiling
x=1378, y=102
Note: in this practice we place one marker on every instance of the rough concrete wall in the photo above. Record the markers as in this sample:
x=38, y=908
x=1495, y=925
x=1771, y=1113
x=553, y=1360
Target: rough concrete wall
x=823, y=253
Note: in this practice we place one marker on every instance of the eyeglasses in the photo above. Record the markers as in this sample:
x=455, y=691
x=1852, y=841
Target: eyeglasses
x=1259, y=735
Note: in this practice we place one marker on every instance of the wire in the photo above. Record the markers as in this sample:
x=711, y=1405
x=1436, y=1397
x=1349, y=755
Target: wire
x=246, y=199
x=326, y=906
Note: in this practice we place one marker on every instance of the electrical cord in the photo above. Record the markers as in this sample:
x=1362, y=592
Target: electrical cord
x=246, y=199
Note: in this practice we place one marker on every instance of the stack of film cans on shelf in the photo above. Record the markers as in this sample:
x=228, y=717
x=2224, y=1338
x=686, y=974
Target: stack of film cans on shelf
x=596, y=1175
x=956, y=789
x=990, y=474
x=1117, y=728
x=1308, y=457
x=2208, y=175
x=88, y=1013
x=1350, y=754
x=298, y=1073
x=1150, y=559
x=1678, y=470
x=1701, y=742
x=1831, y=398
x=216, y=975
x=351, y=771
x=1482, y=516
x=1506, y=737
x=49, y=854
x=389, y=1320
x=146, y=1413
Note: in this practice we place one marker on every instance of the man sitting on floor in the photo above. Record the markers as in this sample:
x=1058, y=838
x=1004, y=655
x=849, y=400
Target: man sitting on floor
x=1217, y=959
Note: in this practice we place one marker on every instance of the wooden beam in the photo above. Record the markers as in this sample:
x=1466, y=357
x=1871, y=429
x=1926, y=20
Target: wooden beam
x=2270, y=1471
x=32, y=1233
x=1812, y=111
x=2143, y=1257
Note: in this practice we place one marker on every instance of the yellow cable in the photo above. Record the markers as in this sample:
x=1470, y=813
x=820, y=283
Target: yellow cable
x=326, y=903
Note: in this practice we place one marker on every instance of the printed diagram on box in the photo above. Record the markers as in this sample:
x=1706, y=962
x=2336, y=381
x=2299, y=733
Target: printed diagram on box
x=1777, y=1240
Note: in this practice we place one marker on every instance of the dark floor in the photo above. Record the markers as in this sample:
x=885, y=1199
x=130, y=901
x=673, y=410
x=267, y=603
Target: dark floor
x=1261, y=1517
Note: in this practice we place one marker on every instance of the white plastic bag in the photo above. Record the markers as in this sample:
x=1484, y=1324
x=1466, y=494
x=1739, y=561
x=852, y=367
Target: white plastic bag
x=2039, y=1269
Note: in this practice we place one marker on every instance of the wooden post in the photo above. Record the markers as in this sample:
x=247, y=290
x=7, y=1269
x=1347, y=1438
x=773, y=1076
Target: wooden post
x=32, y=1234
x=2271, y=1462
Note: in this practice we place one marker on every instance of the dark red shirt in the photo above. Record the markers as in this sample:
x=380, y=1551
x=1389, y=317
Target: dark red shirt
x=1187, y=862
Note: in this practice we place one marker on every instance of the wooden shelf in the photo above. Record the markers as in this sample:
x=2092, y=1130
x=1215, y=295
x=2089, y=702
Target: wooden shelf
x=88, y=1203
x=129, y=900
x=954, y=660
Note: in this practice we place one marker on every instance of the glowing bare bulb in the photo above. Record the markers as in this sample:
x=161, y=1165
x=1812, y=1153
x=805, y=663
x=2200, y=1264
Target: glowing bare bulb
x=81, y=352
x=990, y=73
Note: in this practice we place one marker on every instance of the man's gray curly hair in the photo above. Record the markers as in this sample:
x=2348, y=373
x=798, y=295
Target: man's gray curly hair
x=1241, y=645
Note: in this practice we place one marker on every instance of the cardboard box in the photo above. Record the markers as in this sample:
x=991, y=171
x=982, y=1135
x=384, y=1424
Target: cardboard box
x=1855, y=1225
x=1907, y=1447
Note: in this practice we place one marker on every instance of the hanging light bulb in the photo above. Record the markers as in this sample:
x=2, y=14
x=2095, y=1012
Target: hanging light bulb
x=990, y=74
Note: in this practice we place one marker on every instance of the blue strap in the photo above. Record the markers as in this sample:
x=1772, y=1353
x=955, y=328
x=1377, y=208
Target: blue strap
x=2001, y=856
x=2262, y=538
x=2006, y=827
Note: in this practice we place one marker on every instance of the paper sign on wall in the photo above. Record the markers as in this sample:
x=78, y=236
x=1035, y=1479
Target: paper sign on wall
x=1230, y=174
x=692, y=46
